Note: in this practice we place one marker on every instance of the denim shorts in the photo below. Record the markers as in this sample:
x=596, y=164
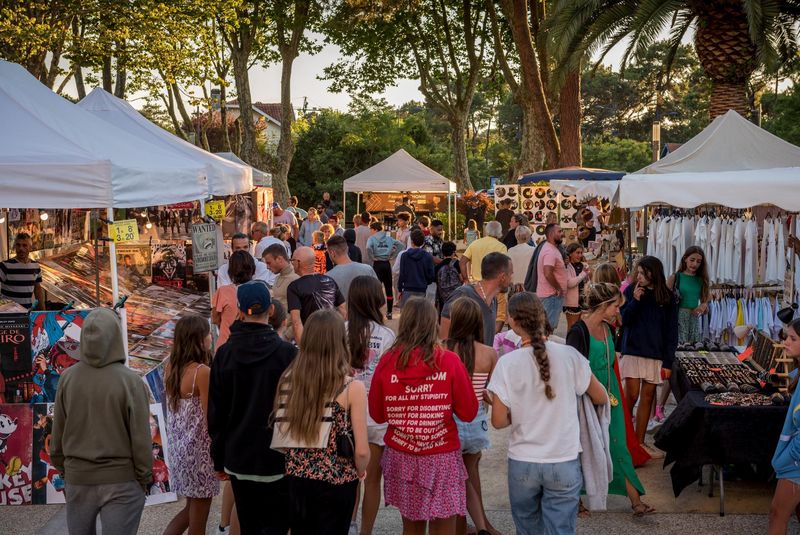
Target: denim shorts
x=474, y=435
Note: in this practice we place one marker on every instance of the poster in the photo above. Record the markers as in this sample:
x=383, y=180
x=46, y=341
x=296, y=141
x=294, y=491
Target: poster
x=15, y=454
x=420, y=202
x=155, y=383
x=205, y=247
x=160, y=489
x=15, y=354
x=240, y=213
x=134, y=265
x=48, y=486
x=55, y=340
x=169, y=264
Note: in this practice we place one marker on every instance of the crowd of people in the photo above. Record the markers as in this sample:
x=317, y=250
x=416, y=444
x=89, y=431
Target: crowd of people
x=310, y=405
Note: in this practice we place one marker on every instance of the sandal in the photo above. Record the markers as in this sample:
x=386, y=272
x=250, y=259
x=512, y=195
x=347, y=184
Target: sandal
x=583, y=512
x=642, y=509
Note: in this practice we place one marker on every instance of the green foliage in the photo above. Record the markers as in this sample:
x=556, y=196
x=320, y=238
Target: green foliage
x=617, y=154
x=781, y=114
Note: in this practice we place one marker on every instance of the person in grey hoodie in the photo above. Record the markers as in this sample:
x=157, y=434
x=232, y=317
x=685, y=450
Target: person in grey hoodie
x=101, y=440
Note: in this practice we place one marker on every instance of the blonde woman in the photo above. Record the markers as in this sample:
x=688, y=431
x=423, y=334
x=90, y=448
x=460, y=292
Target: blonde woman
x=323, y=484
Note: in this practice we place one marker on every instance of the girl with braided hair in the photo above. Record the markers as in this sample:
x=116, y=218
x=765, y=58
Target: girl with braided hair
x=535, y=390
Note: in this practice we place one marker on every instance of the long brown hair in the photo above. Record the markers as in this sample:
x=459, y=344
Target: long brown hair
x=188, y=346
x=702, y=271
x=316, y=375
x=417, y=331
x=654, y=271
x=466, y=328
x=606, y=272
x=364, y=301
x=527, y=311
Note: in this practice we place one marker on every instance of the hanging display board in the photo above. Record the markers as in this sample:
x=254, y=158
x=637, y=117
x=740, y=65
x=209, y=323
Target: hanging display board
x=215, y=210
x=169, y=264
x=205, y=247
x=420, y=202
x=15, y=454
x=126, y=230
x=506, y=192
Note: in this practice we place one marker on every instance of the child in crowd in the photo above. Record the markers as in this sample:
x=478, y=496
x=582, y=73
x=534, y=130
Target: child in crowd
x=224, y=310
x=425, y=225
x=423, y=474
x=186, y=385
x=607, y=272
x=471, y=233
x=323, y=483
x=786, y=458
x=327, y=232
x=368, y=339
x=465, y=337
x=535, y=390
x=320, y=253
x=448, y=274
x=649, y=340
x=278, y=319
x=577, y=273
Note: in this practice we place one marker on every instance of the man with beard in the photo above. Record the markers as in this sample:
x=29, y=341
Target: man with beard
x=551, y=273
x=496, y=275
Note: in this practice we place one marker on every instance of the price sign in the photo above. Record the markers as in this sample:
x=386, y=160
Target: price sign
x=215, y=210
x=123, y=231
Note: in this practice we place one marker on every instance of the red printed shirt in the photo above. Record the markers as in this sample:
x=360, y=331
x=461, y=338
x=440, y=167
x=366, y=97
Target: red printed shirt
x=418, y=402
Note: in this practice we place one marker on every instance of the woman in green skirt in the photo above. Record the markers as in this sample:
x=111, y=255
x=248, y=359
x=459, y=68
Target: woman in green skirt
x=593, y=337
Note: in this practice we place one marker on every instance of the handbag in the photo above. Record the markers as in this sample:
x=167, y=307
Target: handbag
x=282, y=439
x=345, y=446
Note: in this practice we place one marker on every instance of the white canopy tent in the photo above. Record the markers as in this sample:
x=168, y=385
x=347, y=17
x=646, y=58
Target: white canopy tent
x=586, y=189
x=224, y=177
x=732, y=162
x=260, y=178
x=402, y=172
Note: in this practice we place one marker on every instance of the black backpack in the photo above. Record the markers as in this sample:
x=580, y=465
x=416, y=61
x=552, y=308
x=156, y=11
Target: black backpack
x=448, y=280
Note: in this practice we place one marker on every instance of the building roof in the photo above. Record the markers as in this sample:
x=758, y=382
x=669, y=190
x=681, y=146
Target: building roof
x=270, y=110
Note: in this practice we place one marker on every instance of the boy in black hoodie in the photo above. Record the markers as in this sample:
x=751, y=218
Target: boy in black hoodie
x=244, y=377
x=416, y=269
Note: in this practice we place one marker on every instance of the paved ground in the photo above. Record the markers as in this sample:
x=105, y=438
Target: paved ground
x=693, y=512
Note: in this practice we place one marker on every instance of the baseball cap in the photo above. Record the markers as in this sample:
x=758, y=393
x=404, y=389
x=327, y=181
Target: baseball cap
x=276, y=204
x=253, y=298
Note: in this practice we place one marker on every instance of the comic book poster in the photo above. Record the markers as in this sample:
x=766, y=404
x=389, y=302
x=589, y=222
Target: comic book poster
x=15, y=454
x=160, y=489
x=55, y=340
x=134, y=265
x=15, y=354
x=155, y=383
x=169, y=264
x=48, y=486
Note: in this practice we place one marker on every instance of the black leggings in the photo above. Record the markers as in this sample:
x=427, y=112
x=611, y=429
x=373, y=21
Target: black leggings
x=318, y=507
x=383, y=269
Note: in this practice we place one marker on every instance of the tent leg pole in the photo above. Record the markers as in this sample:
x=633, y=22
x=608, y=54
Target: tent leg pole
x=358, y=203
x=123, y=313
x=212, y=281
x=344, y=207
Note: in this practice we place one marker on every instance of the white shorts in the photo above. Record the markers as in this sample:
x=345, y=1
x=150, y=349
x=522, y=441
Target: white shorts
x=648, y=370
x=375, y=434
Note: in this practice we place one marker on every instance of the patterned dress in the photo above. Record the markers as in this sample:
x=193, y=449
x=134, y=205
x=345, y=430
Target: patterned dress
x=192, y=469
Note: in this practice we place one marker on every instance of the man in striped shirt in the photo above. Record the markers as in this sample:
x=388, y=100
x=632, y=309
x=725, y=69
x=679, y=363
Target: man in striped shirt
x=21, y=277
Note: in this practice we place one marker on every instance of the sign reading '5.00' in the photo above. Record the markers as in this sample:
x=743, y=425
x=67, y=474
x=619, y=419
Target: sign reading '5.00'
x=124, y=231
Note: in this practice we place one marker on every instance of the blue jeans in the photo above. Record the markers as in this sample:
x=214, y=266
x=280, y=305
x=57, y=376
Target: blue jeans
x=552, y=309
x=544, y=496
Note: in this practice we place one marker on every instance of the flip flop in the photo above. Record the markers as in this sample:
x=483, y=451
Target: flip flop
x=642, y=509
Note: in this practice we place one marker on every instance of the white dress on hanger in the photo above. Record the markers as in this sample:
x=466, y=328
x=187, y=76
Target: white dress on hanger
x=664, y=235
x=677, y=253
x=701, y=236
x=771, y=271
x=713, y=256
x=750, y=253
x=738, y=249
x=780, y=274
x=652, y=236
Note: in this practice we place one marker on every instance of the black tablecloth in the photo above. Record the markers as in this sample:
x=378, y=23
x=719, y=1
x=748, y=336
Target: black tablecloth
x=698, y=433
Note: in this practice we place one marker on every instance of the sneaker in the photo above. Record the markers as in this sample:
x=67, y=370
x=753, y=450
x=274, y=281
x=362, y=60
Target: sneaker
x=653, y=425
x=223, y=531
x=653, y=452
x=659, y=417
x=354, y=527
x=389, y=316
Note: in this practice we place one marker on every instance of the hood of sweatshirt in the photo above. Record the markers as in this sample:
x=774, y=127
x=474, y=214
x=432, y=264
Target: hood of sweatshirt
x=252, y=343
x=415, y=253
x=101, y=339
x=350, y=235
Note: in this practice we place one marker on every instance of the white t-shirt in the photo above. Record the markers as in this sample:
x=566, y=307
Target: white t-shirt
x=542, y=430
x=380, y=340
x=262, y=273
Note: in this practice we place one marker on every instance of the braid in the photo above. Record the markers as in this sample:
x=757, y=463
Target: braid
x=530, y=316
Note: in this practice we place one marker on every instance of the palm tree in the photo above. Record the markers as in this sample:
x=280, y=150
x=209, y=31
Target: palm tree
x=732, y=38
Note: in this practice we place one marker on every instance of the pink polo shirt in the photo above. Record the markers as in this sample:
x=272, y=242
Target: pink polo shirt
x=550, y=255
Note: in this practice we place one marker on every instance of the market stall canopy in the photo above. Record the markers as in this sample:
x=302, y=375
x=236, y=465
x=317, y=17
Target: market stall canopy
x=103, y=165
x=570, y=173
x=586, y=189
x=399, y=172
x=224, y=177
x=732, y=162
x=260, y=178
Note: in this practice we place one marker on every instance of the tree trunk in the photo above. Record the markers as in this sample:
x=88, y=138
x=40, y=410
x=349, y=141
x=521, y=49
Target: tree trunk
x=187, y=119
x=121, y=81
x=107, y=83
x=459, y=142
x=223, y=118
x=79, y=82
x=241, y=60
x=729, y=96
x=280, y=182
x=569, y=112
x=169, y=103
x=517, y=13
x=531, y=152
x=64, y=82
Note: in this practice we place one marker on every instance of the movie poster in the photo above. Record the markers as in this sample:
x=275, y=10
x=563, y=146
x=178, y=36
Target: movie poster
x=169, y=264
x=160, y=489
x=48, y=486
x=15, y=454
x=55, y=339
x=155, y=383
x=134, y=265
x=15, y=354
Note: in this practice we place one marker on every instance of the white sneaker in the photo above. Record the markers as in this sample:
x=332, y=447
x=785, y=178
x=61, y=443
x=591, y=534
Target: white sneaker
x=653, y=425
x=353, y=528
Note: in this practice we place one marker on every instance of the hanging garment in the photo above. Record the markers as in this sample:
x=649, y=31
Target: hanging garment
x=713, y=246
x=780, y=273
x=664, y=235
x=750, y=254
x=652, y=236
x=673, y=255
x=762, y=257
x=701, y=237
x=771, y=270
x=737, y=258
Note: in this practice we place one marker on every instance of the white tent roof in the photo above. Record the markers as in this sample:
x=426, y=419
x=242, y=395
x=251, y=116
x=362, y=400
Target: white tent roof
x=399, y=172
x=55, y=155
x=586, y=189
x=224, y=177
x=260, y=178
x=732, y=162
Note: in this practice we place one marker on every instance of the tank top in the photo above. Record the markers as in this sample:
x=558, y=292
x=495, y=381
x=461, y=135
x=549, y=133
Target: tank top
x=479, y=381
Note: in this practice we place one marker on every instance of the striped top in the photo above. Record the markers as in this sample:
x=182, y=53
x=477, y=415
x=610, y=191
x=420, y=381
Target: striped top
x=17, y=280
x=479, y=381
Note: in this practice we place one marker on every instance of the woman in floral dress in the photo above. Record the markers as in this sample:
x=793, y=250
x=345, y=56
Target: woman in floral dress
x=186, y=385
